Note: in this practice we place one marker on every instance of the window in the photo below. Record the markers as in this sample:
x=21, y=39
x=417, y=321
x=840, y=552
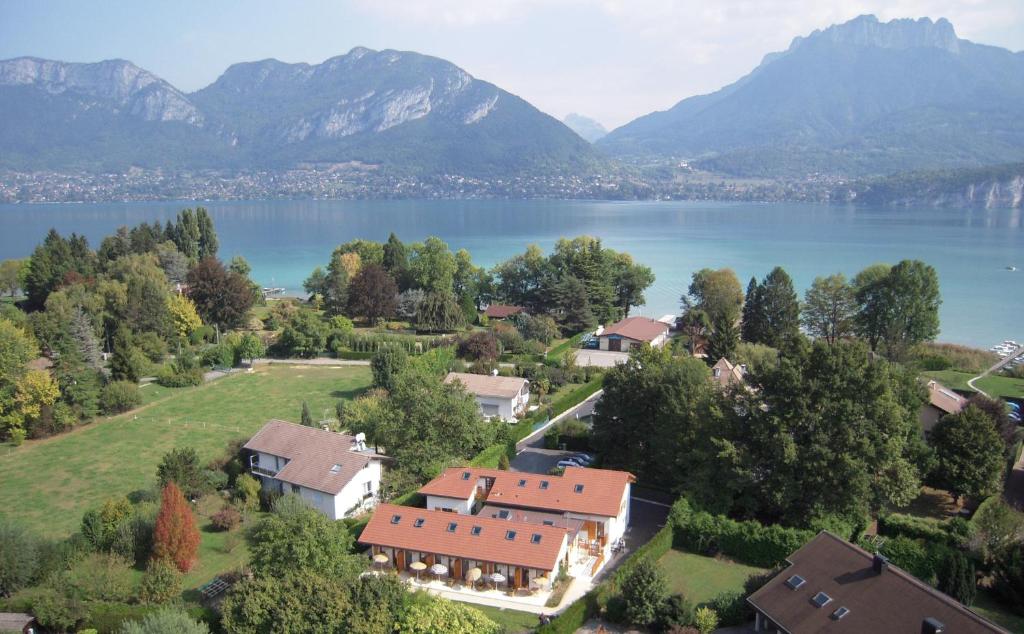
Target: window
x=336, y=468
x=296, y=488
x=466, y=475
x=367, y=487
x=452, y=526
x=718, y=372
x=396, y=519
x=503, y=514
x=821, y=599
x=549, y=523
x=840, y=613
x=578, y=488
x=543, y=484
x=510, y=535
x=535, y=538
x=475, y=531
x=795, y=582
x=522, y=483
x=418, y=523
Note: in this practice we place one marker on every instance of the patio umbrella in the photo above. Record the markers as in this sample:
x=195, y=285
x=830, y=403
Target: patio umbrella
x=497, y=578
x=381, y=558
x=438, y=570
x=541, y=581
x=472, y=575
x=418, y=566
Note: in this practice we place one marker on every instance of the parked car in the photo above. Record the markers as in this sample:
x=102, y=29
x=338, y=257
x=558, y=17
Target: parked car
x=569, y=463
x=585, y=457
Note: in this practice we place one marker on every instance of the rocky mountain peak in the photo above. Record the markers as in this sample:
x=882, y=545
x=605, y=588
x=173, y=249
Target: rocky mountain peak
x=867, y=30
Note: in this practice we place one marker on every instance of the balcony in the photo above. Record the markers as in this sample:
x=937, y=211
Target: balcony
x=255, y=468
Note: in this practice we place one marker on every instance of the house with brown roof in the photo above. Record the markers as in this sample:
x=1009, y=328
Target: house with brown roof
x=941, y=401
x=336, y=473
x=502, y=311
x=502, y=397
x=725, y=374
x=832, y=585
x=591, y=505
x=633, y=331
x=520, y=551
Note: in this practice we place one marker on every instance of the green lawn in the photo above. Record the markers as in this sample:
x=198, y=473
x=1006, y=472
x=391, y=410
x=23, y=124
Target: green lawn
x=49, y=483
x=994, y=384
x=986, y=606
x=512, y=621
x=700, y=579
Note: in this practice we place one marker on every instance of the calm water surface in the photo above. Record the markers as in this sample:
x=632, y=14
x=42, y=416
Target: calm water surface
x=284, y=240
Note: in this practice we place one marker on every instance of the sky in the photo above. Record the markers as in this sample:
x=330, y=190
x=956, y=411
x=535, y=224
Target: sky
x=612, y=60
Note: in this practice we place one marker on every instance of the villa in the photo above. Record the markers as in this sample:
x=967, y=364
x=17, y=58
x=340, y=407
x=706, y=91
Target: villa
x=336, y=473
x=502, y=397
x=523, y=526
x=632, y=332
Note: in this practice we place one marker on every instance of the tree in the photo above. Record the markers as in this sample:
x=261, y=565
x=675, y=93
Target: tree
x=172, y=620
x=695, y=325
x=969, y=453
x=127, y=362
x=573, y=305
x=706, y=620
x=999, y=414
x=957, y=578
x=221, y=297
x=240, y=265
x=181, y=467
x=19, y=556
x=830, y=308
x=10, y=276
x=373, y=294
x=643, y=592
x=175, y=535
x=898, y=306
x=307, y=418
x=540, y=328
x=525, y=280
x=441, y=616
x=775, y=311
x=303, y=542
x=478, y=346
x=294, y=602
x=84, y=336
x=17, y=348
x=631, y=280
x=305, y=335
x=432, y=266
x=387, y=364
x=160, y=584
x=723, y=340
x=186, y=234
x=335, y=284
x=316, y=283
x=247, y=491
x=717, y=293
x=395, y=260
x=752, y=324
x=503, y=462
x=184, y=317
x=251, y=347
x=439, y=312
x=208, y=243
x=1008, y=576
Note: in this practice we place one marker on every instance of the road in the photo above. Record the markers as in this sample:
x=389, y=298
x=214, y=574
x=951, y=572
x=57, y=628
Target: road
x=532, y=457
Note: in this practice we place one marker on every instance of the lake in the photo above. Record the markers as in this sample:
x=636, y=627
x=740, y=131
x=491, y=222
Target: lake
x=285, y=239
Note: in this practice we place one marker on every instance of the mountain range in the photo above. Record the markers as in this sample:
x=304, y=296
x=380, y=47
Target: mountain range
x=860, y=98
x=408, y=112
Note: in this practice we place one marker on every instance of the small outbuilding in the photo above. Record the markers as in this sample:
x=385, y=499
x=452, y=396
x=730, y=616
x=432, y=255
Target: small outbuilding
x=633, y=331
x=504, y=397
x=941, y=402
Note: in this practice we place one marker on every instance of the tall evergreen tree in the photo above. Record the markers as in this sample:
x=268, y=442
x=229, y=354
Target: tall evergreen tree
x=84, y=335
x=186, y=234
x=307, y=418
x=958, y=579
x=573, y=304
x=723, y=340
x=780, y=309
x=396, y=261
x=208, y=243
x=752, y=326
x=175, y=534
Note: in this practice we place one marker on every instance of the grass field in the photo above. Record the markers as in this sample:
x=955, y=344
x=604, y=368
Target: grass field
x=986, y=606
x=700, y=579
x=49, y=483
x=993, y=384
x=512, y=621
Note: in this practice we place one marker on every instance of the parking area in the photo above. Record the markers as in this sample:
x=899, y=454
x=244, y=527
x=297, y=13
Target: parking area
x=600, y=358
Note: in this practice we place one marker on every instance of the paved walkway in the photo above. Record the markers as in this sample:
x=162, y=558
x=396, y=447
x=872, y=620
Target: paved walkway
x=1002, y=363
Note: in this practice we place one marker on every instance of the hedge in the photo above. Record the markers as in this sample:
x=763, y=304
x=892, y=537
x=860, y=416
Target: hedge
x=110, y=617
x=897, y=525
x=352, y=355
x=555, y=354
x=749, y=542
x=576, y=397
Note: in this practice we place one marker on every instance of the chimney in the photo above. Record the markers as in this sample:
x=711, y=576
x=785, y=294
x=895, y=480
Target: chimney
x=879, y=564
x=931, y=625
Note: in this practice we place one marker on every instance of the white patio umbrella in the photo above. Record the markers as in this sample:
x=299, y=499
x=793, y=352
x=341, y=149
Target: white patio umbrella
x=472, y=575
x=380, y=559
x=418, y=566
x=540, y=582
x=438, y=570
x=497, y=578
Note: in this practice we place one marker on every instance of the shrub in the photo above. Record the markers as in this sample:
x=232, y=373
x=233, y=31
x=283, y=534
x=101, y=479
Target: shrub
x=16, y=436
x=19, y=556
x=897, y=525
x=56, y=612
x=247, y=492
x=226, y=518
x=165, y=621
x=119, y=396
x=221, y=355
x=706, y=620
x=97, y=577
x=171, y=376
x=731, y=608
x=674, y=612
x=160, y=584
x=478, y=346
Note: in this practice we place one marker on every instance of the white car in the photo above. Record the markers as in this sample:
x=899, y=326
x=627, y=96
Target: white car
x=568, y=463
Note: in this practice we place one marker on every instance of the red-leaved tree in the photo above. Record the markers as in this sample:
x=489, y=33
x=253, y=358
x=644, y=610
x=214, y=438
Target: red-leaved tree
x=175, y=536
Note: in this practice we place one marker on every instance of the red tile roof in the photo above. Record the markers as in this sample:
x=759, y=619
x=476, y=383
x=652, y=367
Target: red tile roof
x=319, y=460
x=637, y=328
x=601, y=490
x=491, y=544
x=501, y=311
x=453, y=483
x=893, y=602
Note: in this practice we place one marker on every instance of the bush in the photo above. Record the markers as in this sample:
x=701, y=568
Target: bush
x=226, y=519
x=171, y=376
x=222, y=356
x=160, y=584
x=731, y=608
x=16, y=435
x=706, y=620
x=899, y=525
x=643, y=592
x=54, y=611
x=119, y=396
x=749, y=542
x=478, y=346
x=674, y=612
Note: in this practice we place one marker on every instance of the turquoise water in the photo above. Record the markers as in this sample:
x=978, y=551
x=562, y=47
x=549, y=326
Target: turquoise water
x=284, y=240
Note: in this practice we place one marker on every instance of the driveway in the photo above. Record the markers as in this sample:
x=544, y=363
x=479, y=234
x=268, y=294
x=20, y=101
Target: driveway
x=601, y=358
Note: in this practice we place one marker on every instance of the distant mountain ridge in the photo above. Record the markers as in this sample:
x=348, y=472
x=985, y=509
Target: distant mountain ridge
x=404, y=111
x=997, y=186
x=586, y=127
x=859, y=98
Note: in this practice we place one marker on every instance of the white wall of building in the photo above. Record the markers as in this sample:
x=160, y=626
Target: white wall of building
x=462, y=507
x=353, y=498
x=333, y=506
